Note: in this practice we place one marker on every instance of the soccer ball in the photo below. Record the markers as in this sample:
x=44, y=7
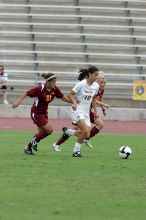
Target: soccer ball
x=125, y=152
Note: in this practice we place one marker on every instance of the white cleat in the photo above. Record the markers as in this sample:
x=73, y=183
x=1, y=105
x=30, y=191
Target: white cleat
x=88, y=144
x=56, y=147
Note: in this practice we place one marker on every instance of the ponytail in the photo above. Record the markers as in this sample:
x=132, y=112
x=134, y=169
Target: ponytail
x=84, y=73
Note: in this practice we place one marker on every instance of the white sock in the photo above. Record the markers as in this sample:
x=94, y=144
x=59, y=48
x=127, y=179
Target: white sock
x=77, y=147
x=70, y=132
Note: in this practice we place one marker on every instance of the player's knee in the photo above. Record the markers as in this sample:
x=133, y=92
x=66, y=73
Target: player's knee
x=50, y=131
x=86, y=134
x=101, y=126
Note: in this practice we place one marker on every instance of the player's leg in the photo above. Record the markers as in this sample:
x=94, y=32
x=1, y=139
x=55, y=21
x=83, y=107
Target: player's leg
x=84, y=134
x=5, y=94
x=35, y=140
x=62, y=139
x=39, y=136
x=97, y=128
x=71, y=132
x=44, y=129
x=75, y=117
x=94, y=130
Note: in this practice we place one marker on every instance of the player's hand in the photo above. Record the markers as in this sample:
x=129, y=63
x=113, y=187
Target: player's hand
x=15, y=105
x=107, y=106
x=74, y=107
x=104, y=113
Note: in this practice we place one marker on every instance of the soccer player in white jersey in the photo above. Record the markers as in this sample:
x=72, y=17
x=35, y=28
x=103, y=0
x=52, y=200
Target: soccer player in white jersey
x=82, y=95
x=96, y=120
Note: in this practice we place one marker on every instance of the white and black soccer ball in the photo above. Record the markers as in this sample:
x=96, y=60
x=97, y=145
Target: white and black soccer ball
x=125, y=152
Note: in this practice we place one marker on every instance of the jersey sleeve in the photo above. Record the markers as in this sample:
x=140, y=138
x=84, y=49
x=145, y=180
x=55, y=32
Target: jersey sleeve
x=99, y=95
x=58, y=93
x=77, y=87
x=4, y=77
x=34, y=92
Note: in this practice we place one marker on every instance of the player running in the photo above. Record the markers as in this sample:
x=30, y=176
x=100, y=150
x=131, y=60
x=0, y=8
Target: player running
x=44, y=94
x=95, y=119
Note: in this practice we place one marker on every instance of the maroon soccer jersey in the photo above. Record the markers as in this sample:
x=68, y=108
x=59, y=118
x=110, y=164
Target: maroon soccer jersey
x=43, y=97
x=100, y=94
x=98, y=97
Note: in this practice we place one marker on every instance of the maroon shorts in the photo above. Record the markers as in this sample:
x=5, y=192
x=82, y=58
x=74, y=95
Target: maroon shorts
x=39, y=119
x=93, y=117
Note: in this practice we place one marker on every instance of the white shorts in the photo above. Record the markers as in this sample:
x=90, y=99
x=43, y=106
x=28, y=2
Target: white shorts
x=78, y=115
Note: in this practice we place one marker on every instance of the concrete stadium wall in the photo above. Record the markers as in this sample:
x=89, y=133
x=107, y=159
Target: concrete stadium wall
x=120, y=114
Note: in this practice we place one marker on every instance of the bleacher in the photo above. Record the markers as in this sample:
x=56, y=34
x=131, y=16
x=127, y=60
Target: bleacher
x=64, y=35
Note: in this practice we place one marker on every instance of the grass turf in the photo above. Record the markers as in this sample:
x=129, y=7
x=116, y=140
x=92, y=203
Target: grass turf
x=56, y=186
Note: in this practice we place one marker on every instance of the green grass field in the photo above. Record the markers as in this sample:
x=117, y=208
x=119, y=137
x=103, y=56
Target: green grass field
x=56, y=186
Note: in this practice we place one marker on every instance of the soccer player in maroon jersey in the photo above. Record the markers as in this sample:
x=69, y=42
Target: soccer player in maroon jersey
x=43, y=94
x=95, y=119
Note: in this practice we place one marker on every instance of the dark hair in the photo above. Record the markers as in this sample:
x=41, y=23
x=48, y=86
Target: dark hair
x=85, y=72
x=48, y=75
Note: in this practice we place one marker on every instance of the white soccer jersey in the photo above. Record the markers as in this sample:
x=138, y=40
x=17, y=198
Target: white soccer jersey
x=85, y=94
x=4, y=77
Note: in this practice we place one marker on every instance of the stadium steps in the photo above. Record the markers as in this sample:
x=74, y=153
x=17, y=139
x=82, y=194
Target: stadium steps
x=112, y=41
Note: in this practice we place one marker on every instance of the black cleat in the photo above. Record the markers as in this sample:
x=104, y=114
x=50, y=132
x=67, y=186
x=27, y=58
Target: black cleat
x=34, y=144
x=64, y=130
x=35, y=147
x=77, y=154
x=66, y=136
x=28, y=151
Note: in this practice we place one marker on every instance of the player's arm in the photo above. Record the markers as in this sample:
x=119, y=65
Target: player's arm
x=19, y=100
x=73, y=99
x=103, y=106
x=103, y=109
x=66, y=99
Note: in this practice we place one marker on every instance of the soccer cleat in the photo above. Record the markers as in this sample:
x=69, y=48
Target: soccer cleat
x=88, y=144
x=77, y=154
x=64, y=130
x=28, y=151
x=34, y=145
x=66, y=135
x=56, y=147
